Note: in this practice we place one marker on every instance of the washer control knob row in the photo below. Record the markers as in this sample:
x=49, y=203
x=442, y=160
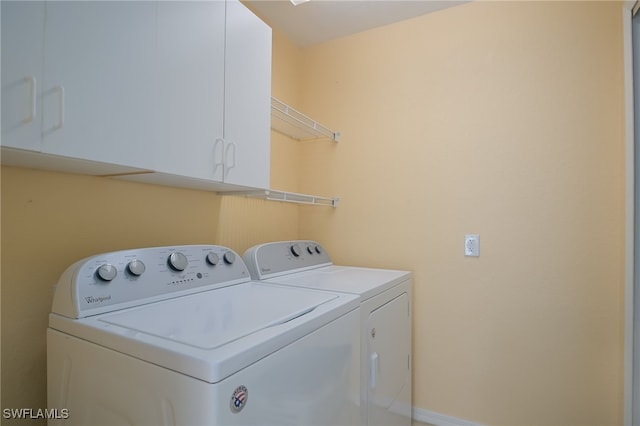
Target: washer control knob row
x=136, y=267
x=178, y=261
x=213, y=259
x=107, y=272
x=314, y=249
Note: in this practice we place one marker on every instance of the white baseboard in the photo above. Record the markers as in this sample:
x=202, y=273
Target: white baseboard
x=437, y=419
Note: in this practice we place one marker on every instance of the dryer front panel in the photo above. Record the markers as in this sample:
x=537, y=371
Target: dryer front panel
x=389, y=356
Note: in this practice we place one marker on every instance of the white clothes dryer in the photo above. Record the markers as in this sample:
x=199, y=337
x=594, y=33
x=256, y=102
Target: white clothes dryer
x=181, y=336
x=385, y=318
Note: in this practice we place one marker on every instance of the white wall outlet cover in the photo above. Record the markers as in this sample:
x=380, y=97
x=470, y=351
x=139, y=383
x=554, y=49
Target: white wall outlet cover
x=472, y=245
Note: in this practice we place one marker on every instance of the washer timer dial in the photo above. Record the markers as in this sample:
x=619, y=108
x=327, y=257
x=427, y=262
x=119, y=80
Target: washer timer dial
x=178, y=261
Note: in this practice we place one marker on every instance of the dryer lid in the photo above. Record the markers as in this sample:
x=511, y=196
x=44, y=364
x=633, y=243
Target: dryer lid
x=366, y=282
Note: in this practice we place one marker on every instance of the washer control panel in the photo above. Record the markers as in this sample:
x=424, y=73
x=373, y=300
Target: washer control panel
x=121, y=279
x=273, y=259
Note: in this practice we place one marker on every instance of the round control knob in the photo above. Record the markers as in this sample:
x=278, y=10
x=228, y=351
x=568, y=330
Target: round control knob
x=296, y=250
x=318, y=249
x=212, y=258
x=178, y=261
x=136, y=267
x=310, y=250
x=229, y=258
x=107, y=272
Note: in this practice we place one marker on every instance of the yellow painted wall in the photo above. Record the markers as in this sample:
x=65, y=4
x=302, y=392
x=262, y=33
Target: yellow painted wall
x=503, y=119
x=286, y=86
x=49, y=220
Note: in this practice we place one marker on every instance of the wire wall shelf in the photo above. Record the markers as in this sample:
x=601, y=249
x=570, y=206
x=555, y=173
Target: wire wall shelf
x=288, y=197
x=296, y=125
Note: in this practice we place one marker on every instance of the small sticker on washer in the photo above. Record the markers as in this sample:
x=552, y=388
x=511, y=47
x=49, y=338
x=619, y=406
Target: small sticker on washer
x=239, y=399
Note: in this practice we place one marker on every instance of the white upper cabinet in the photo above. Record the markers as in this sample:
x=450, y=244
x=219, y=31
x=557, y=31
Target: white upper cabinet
x=247, y=98
x=174, y=87
x=22, y=73
x=99, y=81
x=191, y=43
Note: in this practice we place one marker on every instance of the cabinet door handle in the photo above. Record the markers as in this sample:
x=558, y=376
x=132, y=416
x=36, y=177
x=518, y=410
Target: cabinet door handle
x=60, y=90
x=373, y=372
x=31, y=81
x=231, y=147
x=216, y=164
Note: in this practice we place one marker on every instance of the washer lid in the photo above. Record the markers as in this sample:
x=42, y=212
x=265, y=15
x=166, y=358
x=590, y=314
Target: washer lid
x=212, y=319
x=366, y=282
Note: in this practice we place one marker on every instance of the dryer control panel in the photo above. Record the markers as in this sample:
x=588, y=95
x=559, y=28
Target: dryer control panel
x=122, y=279
x=284, y=257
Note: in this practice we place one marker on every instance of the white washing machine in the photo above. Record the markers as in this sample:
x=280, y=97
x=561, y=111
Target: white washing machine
x=385, y=318
x=182, y=336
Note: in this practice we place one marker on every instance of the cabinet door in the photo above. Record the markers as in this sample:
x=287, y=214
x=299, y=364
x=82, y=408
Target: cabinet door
x=22, y=35
x=191, y=88
x=389, y=341
x=99, y=88
x=247, y=98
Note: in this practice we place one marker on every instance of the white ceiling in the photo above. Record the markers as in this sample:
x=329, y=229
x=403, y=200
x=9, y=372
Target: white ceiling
x=320, y=20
